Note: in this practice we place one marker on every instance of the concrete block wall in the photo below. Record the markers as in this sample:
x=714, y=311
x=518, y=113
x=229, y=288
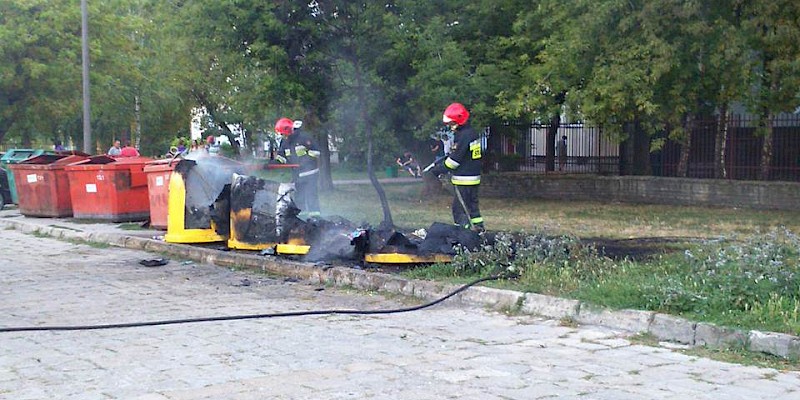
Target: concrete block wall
x=645, y=189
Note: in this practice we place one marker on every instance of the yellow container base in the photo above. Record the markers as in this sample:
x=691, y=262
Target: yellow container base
x=235, y=244
x=193, y=236
x=400, y=258
x=285, y=248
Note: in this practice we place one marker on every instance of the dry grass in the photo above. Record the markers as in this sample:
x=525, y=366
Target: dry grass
x=359, y=203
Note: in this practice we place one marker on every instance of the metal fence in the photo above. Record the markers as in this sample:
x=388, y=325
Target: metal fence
x=578, y=149
x=743, y=151
x=585, y=149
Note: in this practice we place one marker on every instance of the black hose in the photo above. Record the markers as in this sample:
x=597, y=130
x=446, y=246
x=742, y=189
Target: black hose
x=246, y=316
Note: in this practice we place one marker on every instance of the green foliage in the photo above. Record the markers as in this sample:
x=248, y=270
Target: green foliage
x=751, y=284
x=346, y=67
x=39, y=48
x=229, y=151
x=558, y=262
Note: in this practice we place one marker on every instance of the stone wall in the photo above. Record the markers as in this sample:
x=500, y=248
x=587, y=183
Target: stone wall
x=645, y=189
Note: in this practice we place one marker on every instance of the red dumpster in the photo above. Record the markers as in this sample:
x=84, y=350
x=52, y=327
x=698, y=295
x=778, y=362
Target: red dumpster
x=43, y=185
x=158, y=173
x=110, y=189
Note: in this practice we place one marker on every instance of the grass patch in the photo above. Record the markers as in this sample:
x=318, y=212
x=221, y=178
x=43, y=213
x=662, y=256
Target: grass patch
x=744, y=357
x=337, y=173
x=131, y=226
x=90, y=243
x=718, y=266
x=39, y=234
x=735, y=355
x=85, y=221
x=750, y=284
x=65, y=227
x=584, y=219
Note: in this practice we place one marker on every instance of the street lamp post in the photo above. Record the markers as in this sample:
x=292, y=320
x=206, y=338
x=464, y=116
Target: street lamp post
x=87, y=127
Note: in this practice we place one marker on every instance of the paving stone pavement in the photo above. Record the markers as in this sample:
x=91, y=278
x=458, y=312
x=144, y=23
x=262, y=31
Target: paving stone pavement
x=444, y=352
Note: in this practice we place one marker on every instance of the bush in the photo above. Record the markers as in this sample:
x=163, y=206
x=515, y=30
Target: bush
x=757, y=280
x=227, y=150
x=542, y=263
x=752, y=284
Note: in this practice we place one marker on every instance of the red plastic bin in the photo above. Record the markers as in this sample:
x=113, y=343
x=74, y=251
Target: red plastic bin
x=43, y=185
x=158, y=173
x=109, y=189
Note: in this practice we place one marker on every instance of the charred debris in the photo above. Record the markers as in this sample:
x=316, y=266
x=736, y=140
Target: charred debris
x=258, y=211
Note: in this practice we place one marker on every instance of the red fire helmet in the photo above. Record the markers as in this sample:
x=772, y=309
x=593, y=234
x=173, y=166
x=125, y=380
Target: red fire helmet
x=457, y=113
x=284, y=126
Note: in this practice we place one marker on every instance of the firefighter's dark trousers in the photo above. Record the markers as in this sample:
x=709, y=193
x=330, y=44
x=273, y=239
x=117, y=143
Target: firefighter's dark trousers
x=472, y=216
x=307, y=193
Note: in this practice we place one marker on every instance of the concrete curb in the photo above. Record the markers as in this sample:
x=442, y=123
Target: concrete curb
x=662, y=326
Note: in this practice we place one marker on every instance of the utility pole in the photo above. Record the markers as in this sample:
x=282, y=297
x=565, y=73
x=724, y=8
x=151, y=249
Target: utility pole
x=87, y=127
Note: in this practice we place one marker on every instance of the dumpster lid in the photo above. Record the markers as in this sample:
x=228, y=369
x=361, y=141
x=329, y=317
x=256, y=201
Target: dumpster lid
x=62, y=158
x=20, y=154
x=166, y=164
x=110, y=162
x=42, y=159
x=101, y=159
x=71, y=153
x=132, y=160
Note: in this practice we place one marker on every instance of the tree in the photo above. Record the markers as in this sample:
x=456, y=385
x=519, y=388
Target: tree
x=352, y=41
x=553, y=58
x=39, y=75
x=771, y=31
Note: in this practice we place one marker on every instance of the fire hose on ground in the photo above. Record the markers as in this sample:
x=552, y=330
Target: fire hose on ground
x=56, y=328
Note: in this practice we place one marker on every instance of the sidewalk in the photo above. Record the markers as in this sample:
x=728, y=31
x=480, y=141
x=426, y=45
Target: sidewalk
x=438, y=353
x=662, y=326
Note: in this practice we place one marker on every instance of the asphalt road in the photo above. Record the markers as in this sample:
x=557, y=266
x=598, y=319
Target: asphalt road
x=445, y=352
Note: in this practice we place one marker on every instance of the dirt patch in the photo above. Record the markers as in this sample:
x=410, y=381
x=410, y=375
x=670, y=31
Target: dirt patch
x=637, y=249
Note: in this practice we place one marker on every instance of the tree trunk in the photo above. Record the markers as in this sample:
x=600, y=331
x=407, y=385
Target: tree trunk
x=550, y=143
x=5, y=125
x=765, y=128
x=326, y=179
x=137, y=112
x=26, y=138
x=720, y=143
x=641, y=150
x=362, y=100
x=686, y=148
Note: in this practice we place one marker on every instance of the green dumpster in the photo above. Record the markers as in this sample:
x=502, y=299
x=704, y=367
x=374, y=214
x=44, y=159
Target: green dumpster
x=14, y=156
x=391, y=172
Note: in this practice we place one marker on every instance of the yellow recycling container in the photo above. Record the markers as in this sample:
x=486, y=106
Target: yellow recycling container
x=176, y=217
x=199, y=196
x=262, y=213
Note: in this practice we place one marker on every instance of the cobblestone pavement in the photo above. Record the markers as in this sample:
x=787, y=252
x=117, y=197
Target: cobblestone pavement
x=443, y=352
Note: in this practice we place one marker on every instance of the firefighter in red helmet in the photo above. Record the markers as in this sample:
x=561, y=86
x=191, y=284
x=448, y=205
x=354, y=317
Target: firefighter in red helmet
x=298, y=148
x=464, y=165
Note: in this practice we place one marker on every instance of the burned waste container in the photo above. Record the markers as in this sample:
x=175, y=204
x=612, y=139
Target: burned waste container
x=199, y=199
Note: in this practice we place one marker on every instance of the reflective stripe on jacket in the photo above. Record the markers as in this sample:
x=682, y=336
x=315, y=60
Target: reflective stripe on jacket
x=464, y=159
x=298, y=148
